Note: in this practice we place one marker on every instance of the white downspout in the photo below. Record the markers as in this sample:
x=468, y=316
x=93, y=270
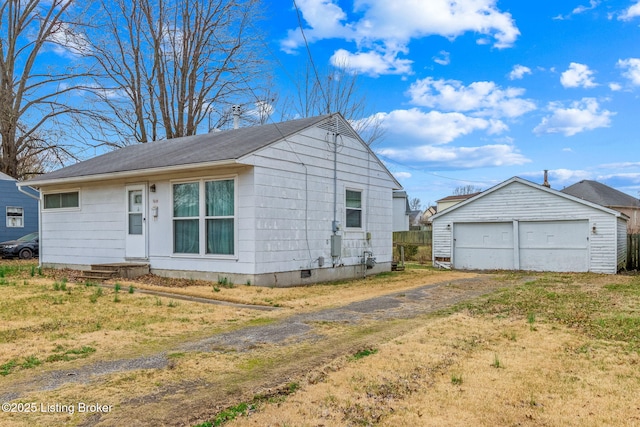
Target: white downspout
x=39, y=199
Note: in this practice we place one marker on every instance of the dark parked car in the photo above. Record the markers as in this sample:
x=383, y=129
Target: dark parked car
x=25, y=247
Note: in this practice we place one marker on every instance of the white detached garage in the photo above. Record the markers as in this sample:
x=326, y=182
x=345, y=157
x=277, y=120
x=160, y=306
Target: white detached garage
x=521, y=225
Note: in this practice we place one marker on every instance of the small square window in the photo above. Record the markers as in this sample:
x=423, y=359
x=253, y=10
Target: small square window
x=15, y=217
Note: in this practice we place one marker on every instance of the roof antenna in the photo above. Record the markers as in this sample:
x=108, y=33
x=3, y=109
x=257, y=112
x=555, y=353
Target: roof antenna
x=235, y=110
x=546, y=180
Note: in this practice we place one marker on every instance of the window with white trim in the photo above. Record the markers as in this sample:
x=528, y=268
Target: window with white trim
x=15, y=217
x=204, y=217
x=353, y=205
x=69, y=199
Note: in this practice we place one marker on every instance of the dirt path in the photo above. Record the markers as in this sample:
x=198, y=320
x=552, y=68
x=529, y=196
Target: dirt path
x=371, y=321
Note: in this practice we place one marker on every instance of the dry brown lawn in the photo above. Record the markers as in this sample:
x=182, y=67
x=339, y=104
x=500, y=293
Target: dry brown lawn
x=546, y=349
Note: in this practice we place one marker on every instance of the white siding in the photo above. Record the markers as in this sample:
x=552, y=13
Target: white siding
x=93, y=233
x=294, y=191
x=400, y=215
x=284, y=215
x=621, y=249
x=517, y=201
x=161, y=255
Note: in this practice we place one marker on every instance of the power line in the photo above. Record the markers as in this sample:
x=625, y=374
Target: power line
x=427, y=173
x=313, y=65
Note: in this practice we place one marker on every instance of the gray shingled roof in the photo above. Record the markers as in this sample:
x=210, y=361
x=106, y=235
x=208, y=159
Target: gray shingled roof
x=601, y=194
x=5, y=177
x=206, y=148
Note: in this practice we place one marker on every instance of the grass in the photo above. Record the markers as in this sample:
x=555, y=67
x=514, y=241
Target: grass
x=364, y=353
x=566, y=340
x=62, y=354
x=228, y=414
x=599, y=312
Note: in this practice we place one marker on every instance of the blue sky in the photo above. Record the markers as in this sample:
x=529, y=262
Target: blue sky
x=474, y=92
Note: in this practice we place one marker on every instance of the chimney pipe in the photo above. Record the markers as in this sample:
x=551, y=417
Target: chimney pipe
x=546, y=179
x=235, y=110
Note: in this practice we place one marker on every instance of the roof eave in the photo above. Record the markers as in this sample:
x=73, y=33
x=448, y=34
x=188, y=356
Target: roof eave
x=126, y=174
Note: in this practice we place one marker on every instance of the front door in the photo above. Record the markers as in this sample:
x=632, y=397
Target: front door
x=136, y=241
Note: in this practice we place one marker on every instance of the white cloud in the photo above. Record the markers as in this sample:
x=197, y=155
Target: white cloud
x=632, y=12
x=444, y=157
x=372, y=63
x=581, y=9
x=435, y=127
x=402, y=175
x=480, y=98
x=568, y=175
x=578, y=75
x=579, y=117
x=621, y=165
x=578, y=10
x=381, y=25
x=68, y=42
x=631, y=67
x=443, y=58
x=518, y=72
x=325, y=21
x=615, y=86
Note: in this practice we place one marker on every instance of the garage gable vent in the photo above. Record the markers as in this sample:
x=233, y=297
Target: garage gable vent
x=337, y=126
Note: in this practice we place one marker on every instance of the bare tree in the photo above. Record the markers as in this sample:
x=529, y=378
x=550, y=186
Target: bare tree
x=335, y=90
x=415, y=204
x=466, y=190
x=34, y=92
x=169, y=65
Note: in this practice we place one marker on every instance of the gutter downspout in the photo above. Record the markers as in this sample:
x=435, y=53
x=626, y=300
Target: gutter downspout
x=39, y=199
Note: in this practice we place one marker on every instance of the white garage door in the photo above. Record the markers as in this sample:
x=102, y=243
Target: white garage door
x=542, y=246
x=483, y=246
x=554, y=245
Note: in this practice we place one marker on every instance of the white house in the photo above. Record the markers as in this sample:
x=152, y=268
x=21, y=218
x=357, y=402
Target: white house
x=281, y=204
x=520, y=225
x=401, y=211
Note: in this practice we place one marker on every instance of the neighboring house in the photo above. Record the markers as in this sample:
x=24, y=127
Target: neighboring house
x=401, y=211
x=449, y=201
x=606, y=196
x=414, y=218
x=428, y=213
x=279, y=205
x=20, y=210
x=520, y=225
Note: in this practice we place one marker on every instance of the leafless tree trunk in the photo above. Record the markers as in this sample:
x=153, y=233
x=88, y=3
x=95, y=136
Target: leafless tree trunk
x=33, y=91
x=168, y=65
x=336, y=90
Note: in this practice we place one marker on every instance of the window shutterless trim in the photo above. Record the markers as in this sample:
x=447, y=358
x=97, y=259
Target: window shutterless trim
x=354, y=209
x=60, y=193
x=202, y=218
x=16, y=214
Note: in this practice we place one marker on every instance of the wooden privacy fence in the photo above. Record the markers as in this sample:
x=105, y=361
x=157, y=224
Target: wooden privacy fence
x=419, y=238
x=633, y=252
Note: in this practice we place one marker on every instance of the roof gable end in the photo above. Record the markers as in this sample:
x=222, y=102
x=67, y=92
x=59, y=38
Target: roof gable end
x=532, y=185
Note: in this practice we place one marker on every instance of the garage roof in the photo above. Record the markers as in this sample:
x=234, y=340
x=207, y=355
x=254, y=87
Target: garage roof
x=533, y=185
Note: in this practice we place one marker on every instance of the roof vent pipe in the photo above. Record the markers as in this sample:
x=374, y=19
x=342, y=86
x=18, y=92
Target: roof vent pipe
x=546, y=179
x=235, y=110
